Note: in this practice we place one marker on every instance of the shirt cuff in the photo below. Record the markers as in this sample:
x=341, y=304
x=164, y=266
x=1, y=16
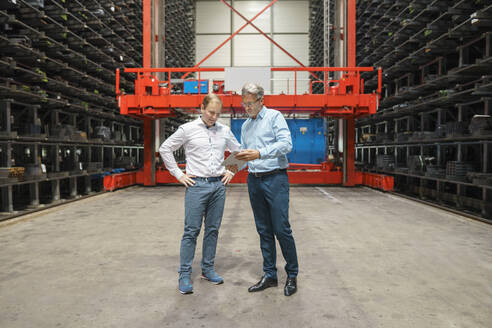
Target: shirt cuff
x=177, y=173
x=262, y=153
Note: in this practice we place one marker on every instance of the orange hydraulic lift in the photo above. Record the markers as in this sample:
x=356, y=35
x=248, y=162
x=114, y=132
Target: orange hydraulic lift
x=342, y=98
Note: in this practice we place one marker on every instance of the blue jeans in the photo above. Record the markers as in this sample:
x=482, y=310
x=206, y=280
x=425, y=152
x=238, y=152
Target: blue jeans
x=204, y=199
x=269, y=197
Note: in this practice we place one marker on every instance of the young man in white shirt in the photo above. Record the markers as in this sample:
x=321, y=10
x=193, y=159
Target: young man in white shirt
x=204, y=141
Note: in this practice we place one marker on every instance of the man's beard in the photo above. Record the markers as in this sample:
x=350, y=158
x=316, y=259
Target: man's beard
x=251, y=113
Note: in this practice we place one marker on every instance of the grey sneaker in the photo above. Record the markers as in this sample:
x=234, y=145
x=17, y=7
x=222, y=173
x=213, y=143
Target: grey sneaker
x=185, y=285
x=213, y=277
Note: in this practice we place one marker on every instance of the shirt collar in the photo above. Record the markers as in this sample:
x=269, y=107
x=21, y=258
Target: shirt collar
x=200, y=122
x=262, y=112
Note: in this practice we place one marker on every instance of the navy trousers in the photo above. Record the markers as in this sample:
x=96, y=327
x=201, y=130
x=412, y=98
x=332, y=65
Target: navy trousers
x=269, y=197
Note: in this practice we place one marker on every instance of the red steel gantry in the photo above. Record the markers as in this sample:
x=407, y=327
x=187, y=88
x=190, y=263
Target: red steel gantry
x=342, y=98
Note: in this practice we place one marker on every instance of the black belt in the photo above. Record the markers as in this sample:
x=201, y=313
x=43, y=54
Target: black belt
x=262, y=174
x=209, y=179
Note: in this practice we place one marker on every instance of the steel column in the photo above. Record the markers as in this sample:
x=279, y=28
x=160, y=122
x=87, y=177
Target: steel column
x=7, y=199
x=149, y=127
x=149, y=156
x=349, y=152
x=349, y=123
x=350, y=33
x=147, y=21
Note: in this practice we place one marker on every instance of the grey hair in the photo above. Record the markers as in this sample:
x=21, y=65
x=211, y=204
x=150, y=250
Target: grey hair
x=253, y=89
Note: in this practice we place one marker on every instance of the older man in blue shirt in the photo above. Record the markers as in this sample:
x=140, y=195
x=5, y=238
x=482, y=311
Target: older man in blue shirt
x=266, y=140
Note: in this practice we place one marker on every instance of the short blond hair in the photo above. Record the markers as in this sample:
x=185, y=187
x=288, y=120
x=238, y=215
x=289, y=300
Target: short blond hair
x=211, y=97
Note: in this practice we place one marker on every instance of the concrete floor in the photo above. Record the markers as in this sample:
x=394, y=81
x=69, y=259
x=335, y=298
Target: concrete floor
x=367, y=259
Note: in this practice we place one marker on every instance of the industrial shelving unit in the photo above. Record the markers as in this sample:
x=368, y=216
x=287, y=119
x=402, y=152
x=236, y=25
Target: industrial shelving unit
x=180, y=46
x=60, y=127
x=433, y=129
x=322, y=35
x=180, y=33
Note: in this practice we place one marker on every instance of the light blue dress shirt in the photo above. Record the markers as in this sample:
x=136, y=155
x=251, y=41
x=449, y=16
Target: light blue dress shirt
x=269, y=134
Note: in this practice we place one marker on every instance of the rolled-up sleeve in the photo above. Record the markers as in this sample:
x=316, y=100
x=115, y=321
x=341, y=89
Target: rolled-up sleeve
x=243, y=139
x=283, y=143
x=231, y=142
x=176, y=140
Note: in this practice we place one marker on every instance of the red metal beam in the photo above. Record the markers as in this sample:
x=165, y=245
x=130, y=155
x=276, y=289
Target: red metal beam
x=149, y=179
x=273, y=69
x=151, y=100
x=323, y=176
x=324, y=105
x=120, y=180
x=117, y=82
x=380, y=81
x=350, y=156
x=351, y=45
x=349, y=147
x=379, y=181
x=317, y=102
x=147, y=21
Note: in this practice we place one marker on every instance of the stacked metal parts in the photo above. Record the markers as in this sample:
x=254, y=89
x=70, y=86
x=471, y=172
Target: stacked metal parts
x=60, y=127
x=180, y=18
x=180, y=34
x=320, y=37
x=435, y=112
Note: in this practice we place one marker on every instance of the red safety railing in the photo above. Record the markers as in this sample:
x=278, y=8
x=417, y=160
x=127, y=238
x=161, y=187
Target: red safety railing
x=341, y=97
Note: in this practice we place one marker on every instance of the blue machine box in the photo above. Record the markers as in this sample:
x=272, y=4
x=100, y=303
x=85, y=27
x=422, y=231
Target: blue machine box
x=308, y=139
x=191, y=86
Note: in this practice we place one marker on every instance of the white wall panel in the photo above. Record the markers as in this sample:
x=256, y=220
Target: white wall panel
x=237, y=77
x=291, y=17
x=212, y=17
x=206, y=43
x=296, y=45
x=251, y=50
x=285, y=82
x=249, y=9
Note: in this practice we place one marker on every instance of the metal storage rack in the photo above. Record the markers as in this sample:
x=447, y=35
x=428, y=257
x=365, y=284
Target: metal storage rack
x=433, y=129
x=60, y=127
x=322, y=35
x=180, y=45
x=180, y=33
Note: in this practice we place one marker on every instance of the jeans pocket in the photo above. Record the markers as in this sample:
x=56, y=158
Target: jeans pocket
x=194, y=186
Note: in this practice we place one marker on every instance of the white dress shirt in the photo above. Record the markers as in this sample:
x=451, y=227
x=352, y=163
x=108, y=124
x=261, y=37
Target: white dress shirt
x=204, y=148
